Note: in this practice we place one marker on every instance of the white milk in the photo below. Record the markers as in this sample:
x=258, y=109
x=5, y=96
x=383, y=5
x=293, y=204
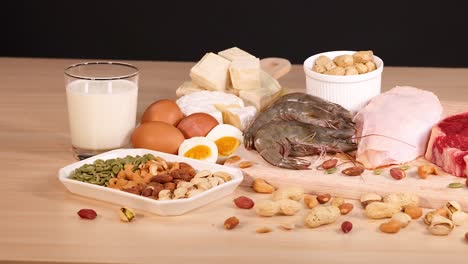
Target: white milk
x=102, y=114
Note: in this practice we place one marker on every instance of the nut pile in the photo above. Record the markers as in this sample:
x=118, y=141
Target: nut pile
x=358, y=63
x=151, y=177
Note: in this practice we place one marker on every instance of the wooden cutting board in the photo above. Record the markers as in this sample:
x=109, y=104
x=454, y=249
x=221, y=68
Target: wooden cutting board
x=433, y=191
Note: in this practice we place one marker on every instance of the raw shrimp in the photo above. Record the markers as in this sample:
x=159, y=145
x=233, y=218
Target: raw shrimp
x=280, y=142
x=300, y=107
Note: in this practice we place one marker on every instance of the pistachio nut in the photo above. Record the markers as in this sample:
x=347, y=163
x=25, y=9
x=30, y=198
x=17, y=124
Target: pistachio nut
x=428, y=217
x=126, y=214
x=440, y=226
x=368, y=198
x=452, y=207
x=459, y=218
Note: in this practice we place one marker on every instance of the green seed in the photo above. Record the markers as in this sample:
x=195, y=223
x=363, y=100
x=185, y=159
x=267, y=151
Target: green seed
x=378, y=171
x=331, y=170
x=456, y=185
x=405, y=167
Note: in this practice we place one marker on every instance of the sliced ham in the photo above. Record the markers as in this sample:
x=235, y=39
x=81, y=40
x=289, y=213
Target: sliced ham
x=448, y=145
x=394, y=127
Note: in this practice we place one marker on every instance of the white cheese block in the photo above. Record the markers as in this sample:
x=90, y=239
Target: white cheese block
x=245, y=73
x=211, y=72
x=240, y=117
x=234, y=52
x=187, y=87
x=205, y=101
x=261, y=98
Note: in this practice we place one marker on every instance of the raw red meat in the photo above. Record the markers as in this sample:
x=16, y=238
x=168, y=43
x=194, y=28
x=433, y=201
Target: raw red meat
x=448, y=145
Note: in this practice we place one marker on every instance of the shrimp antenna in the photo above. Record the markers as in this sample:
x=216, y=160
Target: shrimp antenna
x=386, y=137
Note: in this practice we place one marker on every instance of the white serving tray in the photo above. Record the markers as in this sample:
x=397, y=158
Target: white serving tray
x=164, y=208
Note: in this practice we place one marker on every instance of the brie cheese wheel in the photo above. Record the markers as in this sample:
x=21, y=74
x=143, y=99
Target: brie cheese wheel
x=225, y=108
x=211, y=72
x=233, y=53
x=187, y=87
x=245, y=73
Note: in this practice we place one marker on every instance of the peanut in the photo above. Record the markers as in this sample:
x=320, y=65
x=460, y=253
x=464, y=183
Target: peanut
x=368, y=198
x=267, y=208
x=322, y=60
x=293, y=193
x=361, y=68
x=363, y=56
x=328, y=164
x=231, y=223
x=310, y=201
x=232, y=159
x=353, y=171
x=397, y=173
x=336, y=71
x=89, y=214
x=322, y=215
x=379, y=210
x=126, y=214
x=245, y=164
x=261, y=186
x=346, y=227
x=413, y=211
x=403, y=218
x=391, y=227
x=351, y=71
x=244, y=202
x=319, y=68
x=263, y=230
x=370, y=66
x=346, y=208
x=402, y=199
x=289, y=207
x=337, y=201
x=344, y=60
x=323, y=198
x=287, y=226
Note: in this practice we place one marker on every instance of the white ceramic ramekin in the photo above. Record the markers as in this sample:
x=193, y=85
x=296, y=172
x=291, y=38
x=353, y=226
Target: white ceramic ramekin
x=352, y=92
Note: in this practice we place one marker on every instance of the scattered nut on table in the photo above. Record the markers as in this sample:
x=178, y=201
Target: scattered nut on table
x=322, y=215
x=440, y=226
x=346, y=208
x=413, y=211
x=391, y=227
x=310, y=200
x=368, y=198
x=293, y=193
x=323, y=198
x=403, y=218
x=379, y=210
x=231, y=223
x=261, y=186
x=402, y=199
x=126, y=214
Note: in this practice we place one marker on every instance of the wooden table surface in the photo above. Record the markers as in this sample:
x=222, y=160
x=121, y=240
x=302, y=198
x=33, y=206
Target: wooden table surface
x=38, y=219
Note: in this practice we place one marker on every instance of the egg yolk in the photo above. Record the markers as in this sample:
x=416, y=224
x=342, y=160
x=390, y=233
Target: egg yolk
x=199, y=152
x=227, y=145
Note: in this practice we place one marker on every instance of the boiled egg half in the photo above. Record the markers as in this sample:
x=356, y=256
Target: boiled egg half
x=227, y=139
x=200, y=148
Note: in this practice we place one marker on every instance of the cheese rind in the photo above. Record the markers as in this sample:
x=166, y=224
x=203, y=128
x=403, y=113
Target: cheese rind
x=211, y=72
x=234, y=53
x=245, y=73
x=187, y=87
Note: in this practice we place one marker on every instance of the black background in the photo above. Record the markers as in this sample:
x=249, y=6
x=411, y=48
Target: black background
x=412, y=33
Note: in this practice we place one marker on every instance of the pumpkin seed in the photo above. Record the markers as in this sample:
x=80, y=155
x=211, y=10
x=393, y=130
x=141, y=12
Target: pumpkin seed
x=456, y=185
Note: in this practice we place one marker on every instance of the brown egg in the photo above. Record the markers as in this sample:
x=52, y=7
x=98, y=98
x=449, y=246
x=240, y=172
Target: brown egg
x=163, y=110
x=157, y=135
x=197, y=125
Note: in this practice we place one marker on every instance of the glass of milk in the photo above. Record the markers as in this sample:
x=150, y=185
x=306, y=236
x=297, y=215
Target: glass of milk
x=102, y=105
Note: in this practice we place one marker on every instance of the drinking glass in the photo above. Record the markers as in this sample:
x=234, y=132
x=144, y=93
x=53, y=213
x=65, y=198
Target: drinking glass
x=102, y=104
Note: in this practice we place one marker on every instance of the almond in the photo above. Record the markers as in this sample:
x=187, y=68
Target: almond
x=245, y=164
x=353, y=171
